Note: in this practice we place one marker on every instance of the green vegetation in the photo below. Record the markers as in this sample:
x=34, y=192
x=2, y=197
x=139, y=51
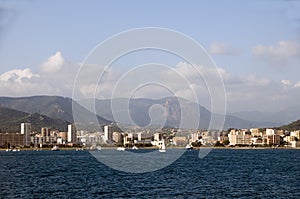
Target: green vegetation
x=226, y=142
x=196, y=144
x=291, y=127
x=10, y=121
x=219, y=144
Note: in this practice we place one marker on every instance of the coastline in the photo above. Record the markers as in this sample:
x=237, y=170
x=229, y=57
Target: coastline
x=153, y=148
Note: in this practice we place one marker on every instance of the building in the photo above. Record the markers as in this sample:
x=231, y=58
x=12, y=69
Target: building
x=157, y=136
x=255, y=132
x=270, y=132
x=295, y=144
x=257, y=141
x=63, y=135
x=45, y=132
x=180, y=141
x=26, y=131
x=117, y=137
x=239, y=138
x=12, y=139
x=273, y=139
x=289, y=139
x=195, y=137
x=295, y=134
x=108, y=134
x=71, y=136
x=223, y=138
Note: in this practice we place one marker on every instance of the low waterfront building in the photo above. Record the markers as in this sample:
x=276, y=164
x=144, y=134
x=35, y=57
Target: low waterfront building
x=289, y=139
x=239, y=138
x=255, y=132
x=273, y=139
x=179, y=141
x=270, y=132
x=295, y=134
x=295, y=144
x=12, y=139
x=257, y=141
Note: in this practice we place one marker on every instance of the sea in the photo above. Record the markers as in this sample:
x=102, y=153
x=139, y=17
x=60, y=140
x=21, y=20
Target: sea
x=223, y=173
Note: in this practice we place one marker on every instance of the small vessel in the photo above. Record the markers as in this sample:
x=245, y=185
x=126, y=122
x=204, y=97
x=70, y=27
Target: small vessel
x=98, y=148
x=162, y=147
x=135, y=148
x=7, y=150
x=120, y=149
x=189, y=147
x=14, y=150
x=55, y=148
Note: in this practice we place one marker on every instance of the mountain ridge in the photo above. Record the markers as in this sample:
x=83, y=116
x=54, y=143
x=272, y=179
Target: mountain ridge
x=10, y=120
x=55, y=107
x=139, y=111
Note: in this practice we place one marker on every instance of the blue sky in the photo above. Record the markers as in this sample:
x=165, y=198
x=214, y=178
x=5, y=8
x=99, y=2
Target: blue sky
x=248, y=39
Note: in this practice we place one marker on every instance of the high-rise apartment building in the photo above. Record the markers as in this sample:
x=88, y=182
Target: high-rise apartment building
x=26, y=131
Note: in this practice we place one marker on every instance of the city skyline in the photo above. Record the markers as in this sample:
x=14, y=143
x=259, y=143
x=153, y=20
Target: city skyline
x=256, y=53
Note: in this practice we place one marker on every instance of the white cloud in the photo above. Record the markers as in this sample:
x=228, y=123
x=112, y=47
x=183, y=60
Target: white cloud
x=183, y=80
x=286, y=82
x=282, y=50
x=54, y=63
x=297, y=85
x=17, y=75
x=221, y=49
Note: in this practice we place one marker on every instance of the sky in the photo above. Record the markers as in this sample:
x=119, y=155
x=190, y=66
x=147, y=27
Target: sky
x=254, y=44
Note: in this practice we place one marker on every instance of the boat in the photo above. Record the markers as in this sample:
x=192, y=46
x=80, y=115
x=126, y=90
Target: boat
x=14, y=150
x=162, y=147
x=189, y=147
x=55, y=148
x=120, y=149
x=98, y=148
x=7, y=150
x=135, y=148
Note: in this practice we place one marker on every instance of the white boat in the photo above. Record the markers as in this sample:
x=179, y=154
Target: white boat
x=7, y=150
x=14, y=150
x=135, y=148
x=162, y=147
x=55, y=148
x=120, y=149
x=189, y=147
x=98, y=148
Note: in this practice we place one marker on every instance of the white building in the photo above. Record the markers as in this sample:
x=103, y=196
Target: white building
x=270, y=132
x=295, y=144
x=295, y=134
x=236, y=137
x=26, y=130
x=157, y=136
x=108, y=134
x=71, y=137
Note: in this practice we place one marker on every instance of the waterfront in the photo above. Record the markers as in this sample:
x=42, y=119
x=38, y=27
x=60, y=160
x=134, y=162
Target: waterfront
x=222, y=174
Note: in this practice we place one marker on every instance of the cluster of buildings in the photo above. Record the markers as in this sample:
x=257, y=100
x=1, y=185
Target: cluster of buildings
x=46, y=137
x=249, y=137
x=268, y=137
x=110, y=136
x=179, y=137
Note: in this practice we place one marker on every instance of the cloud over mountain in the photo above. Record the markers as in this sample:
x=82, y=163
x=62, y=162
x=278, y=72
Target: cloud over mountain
x=57, y=76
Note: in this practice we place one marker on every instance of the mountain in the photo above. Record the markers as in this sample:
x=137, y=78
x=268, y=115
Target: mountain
x=280, y=117
x=11, y=119
x=291, y=126
x=142, y=113
x=54, y=107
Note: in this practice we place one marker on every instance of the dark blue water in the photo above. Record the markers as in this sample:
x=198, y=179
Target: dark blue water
x=222, y=174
